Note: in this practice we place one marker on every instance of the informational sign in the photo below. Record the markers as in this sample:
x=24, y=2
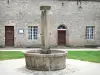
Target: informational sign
x=20, y=31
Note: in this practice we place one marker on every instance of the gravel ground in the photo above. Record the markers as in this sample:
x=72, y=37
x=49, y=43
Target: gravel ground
x=73, y=67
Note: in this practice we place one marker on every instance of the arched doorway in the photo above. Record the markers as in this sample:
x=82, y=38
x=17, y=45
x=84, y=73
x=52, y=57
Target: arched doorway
x=61, y=35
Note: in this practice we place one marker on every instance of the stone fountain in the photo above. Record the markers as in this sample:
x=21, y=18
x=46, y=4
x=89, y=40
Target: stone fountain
x=45, y=59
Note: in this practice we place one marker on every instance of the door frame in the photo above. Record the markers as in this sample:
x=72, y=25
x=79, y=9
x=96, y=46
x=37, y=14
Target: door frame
x=58, y=37
x=63, y=27
x=13, y=36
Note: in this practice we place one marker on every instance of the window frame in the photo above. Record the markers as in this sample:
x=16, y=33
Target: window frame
x=89, y=34
x=32, y=32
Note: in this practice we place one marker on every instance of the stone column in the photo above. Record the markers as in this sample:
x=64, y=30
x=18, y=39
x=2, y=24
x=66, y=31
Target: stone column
x=44, y=29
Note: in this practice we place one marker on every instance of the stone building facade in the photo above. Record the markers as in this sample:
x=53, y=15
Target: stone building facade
x=68, y=23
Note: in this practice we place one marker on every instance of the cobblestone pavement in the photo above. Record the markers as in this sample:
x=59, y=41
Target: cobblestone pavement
x=73, y=67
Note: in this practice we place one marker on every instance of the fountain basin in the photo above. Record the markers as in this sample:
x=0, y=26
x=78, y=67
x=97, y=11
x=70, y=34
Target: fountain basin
x=56, y=60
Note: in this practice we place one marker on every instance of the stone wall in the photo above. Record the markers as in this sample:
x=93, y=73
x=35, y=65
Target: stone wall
x=24, y=13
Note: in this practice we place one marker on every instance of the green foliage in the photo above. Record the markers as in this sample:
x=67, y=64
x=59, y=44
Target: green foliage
x=91, y=56
x=11, y=55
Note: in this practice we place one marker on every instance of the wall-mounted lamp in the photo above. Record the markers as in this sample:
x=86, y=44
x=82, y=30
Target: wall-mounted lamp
x=8, y=1
x=79, y=5
x=80, y=8
x=62, y=4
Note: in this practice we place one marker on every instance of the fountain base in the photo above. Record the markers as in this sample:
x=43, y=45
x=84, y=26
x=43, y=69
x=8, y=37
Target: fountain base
x=54, y=60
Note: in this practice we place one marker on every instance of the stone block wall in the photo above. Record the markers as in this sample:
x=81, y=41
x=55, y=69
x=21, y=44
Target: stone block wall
x=24, y=13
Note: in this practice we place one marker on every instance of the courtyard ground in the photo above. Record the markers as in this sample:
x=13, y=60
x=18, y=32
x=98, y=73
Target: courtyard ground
x=73, y=67
x=55, y=48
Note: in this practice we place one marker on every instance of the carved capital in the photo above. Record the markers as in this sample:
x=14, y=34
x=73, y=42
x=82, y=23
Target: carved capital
x=45, y=7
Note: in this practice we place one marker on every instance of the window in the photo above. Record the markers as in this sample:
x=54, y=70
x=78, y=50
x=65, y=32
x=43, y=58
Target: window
x=89, y=32
x=32, y=32
x=61, y=27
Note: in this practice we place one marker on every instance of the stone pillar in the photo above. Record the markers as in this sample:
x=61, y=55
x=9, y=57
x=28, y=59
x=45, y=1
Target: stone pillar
x=44, y=29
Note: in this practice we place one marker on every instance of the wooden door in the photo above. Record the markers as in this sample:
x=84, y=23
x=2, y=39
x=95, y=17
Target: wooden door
x=61, y=37
x=9, y=35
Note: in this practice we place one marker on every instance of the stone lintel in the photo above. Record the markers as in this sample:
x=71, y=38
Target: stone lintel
x=45, y=7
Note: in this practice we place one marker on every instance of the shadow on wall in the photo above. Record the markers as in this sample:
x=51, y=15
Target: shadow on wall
x=91, y=46
x=85, y=46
